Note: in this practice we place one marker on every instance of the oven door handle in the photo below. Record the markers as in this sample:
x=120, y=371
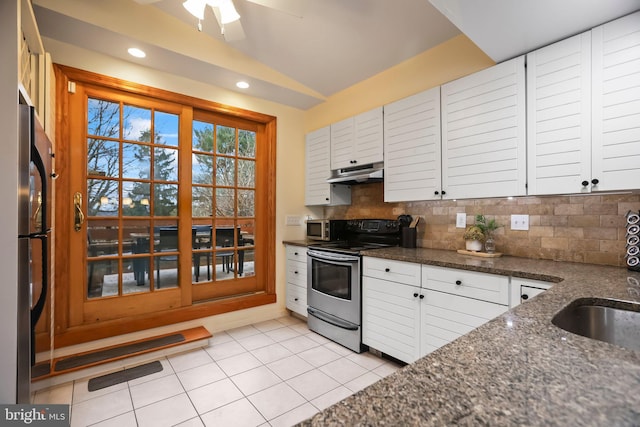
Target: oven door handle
x=332, y=257
x=332, y=320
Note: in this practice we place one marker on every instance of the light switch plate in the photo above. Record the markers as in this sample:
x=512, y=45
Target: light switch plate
x=461, y=220
x=293, y=220
x=520, y=222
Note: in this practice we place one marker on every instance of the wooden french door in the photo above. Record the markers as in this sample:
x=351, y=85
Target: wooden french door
x=127, y=197
x=164, y=200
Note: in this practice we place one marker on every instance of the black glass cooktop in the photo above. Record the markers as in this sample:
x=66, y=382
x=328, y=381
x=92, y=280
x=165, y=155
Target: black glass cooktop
x=348, y=246
x=363, y=234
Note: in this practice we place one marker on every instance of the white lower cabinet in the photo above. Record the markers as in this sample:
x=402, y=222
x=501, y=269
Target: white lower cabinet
x=296, y=299
x=391, y=307
x=409, y=310
x=391, y=318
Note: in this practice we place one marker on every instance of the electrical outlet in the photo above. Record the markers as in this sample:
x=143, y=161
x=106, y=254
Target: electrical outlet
x=293, y=220
x=520, y=222
x=461, y=220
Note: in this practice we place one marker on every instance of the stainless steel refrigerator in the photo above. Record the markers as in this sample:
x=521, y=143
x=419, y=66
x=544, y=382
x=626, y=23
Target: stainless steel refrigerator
x=34, y=229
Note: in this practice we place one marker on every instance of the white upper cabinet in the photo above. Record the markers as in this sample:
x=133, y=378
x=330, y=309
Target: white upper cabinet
x=559, y=117
x=357, y=140
x=318, y=170
x=616, y=104
x=342, y=143
x=412, y=163
x=369, y=138
x=483, y=133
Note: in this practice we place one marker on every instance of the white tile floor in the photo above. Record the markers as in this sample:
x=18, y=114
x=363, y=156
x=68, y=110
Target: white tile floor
x=274, y=373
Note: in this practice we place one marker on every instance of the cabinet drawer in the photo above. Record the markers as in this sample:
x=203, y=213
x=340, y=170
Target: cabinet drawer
x=296, y=253
x=297, y=273
x=297, y=299
x=482, y=286
x=407, y=273
x=527, y=287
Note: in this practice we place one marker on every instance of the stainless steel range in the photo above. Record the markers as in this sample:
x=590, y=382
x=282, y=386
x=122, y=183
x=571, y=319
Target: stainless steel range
x=334, y=279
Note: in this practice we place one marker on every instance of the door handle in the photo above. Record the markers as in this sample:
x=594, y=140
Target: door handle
x=79, y=215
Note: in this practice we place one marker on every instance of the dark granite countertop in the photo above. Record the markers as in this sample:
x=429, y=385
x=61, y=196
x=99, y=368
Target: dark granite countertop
x=518, y=369
x=298, y=242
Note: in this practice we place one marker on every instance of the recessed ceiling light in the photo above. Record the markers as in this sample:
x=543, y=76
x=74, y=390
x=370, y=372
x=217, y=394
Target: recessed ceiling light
x=134, y=51
x=242, y=85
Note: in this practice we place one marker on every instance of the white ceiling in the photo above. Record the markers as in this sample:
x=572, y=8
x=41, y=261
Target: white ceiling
x=506, y=29
x=300, y=61
x=287, y=59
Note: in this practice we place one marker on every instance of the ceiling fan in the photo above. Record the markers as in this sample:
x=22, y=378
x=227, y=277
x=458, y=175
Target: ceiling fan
x=228, y=17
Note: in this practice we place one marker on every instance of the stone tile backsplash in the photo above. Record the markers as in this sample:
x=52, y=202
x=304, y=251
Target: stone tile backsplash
x=579, y=228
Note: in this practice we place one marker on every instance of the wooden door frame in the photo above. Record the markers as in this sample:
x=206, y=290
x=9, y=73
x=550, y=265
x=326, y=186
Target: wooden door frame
x=64, y=335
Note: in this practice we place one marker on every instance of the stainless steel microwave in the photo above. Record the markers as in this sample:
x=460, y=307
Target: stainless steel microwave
x=325, y=229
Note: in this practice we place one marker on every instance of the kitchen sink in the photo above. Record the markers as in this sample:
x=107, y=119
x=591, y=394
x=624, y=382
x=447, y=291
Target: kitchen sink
x=615, y=322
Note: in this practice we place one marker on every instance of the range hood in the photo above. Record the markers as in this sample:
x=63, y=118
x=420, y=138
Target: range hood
x=372, y=172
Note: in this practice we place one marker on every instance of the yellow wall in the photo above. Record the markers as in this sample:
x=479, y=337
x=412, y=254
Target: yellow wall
x=448, y=61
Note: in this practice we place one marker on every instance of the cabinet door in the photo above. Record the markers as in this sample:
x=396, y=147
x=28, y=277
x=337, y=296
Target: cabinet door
x=317, y=167
x=412, y=161
x=318, y=170
x=616, y=104
x=559, y=117
x=342, y=144
x=391, y=318
x=446, y=317
x=369, y=137
x=483, y=133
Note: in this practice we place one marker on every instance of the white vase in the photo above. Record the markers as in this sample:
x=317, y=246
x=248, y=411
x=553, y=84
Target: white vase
x=474, y=245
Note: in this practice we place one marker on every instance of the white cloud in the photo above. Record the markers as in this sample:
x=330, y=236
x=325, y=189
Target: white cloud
x=135, y=127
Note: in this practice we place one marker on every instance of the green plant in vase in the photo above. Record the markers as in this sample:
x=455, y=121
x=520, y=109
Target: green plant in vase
x=487, y=227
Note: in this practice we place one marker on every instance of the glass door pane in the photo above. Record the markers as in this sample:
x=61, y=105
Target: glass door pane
x=132, y=199
x=223, y=205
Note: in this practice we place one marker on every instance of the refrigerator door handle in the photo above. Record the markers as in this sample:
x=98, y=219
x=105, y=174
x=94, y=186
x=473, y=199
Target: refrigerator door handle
x=36, y=312
x=41, y=209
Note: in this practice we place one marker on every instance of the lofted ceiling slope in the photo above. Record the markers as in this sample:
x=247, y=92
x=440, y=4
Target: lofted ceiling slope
x=296, y=61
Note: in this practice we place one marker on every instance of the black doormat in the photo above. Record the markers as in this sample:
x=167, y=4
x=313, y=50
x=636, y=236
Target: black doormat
x=114, y=378
x=40, y=370
x=112, y=353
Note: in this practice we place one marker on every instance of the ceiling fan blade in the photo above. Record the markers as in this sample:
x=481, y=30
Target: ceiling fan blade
x=232, y=31
x=290, y=7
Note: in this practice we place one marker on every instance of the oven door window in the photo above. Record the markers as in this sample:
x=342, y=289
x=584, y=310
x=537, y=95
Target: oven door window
x=331, y=279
